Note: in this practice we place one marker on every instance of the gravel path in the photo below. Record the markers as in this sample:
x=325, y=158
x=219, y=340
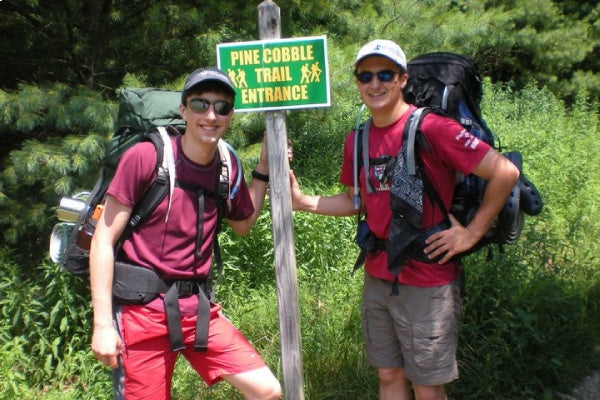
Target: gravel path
x=588, y=389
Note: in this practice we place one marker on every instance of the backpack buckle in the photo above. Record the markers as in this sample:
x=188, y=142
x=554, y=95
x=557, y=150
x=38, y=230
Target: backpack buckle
x=186, y=288
x=162, y=175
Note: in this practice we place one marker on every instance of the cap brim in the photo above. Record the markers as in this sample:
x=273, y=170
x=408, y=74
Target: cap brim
x=376, y=55
x=225, y=85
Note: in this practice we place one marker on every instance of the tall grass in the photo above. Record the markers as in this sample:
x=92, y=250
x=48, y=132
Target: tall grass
x=530, y=320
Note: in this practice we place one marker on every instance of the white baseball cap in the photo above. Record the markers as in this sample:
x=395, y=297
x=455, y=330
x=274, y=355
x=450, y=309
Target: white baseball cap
x=384, y=48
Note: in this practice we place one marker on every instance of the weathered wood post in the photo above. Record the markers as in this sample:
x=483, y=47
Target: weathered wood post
x=269, y=21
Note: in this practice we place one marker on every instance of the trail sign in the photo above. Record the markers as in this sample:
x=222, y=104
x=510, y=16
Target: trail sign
x=277, y=74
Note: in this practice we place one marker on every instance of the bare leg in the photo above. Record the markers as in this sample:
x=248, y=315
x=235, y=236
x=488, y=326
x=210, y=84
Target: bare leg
x=430, y=392
x=393, y=384
x=258, y=384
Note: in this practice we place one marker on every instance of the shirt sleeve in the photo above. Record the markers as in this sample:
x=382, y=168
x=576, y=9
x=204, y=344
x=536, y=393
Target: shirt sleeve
x=347, y=172
x=452, y=144
x=241, y=206
x=134, y=174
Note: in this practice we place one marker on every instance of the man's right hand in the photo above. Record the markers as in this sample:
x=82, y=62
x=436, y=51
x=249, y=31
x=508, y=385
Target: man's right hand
x=106, y=345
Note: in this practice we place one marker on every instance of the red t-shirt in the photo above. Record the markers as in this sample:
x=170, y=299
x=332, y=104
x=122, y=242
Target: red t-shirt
x=452, y=149
x=169, y=246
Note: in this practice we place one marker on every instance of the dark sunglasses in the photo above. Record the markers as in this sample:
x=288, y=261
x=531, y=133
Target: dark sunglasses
x=199, y=105
x=384, y=76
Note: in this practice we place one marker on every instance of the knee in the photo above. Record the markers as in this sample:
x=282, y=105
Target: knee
x=258, y=384
x=389, y=376
x=275, y=393
x=270, y=391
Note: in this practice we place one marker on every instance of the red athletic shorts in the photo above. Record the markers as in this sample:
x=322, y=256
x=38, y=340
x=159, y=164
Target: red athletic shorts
x=148, y=363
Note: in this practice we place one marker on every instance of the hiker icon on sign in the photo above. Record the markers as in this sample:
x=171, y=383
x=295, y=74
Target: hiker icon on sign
x=311, y=74
x=316, y=72
x=239, y=79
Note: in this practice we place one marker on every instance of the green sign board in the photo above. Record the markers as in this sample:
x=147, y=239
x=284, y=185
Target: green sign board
x=277, y=74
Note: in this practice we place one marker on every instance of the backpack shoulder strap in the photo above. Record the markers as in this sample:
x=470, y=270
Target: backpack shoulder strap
x=227, y=185
x=167, y=163
x=412, y=135
x=413, y=127
x=365, y=154
x=361, y=158
x=358, y=129
x=160, y=187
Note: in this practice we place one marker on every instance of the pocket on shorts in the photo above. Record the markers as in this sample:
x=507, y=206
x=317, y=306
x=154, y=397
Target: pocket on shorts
x=139, y=323
x=433, y=346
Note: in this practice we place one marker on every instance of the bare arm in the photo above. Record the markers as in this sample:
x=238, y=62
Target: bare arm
x=501, y=175
x=105, y=340
x=339, y=205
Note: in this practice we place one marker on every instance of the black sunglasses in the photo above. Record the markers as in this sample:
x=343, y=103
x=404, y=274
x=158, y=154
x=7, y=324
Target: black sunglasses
x=199, y=105
x=384, y=76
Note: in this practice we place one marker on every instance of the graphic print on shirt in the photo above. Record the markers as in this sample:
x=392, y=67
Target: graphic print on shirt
x=380, y=170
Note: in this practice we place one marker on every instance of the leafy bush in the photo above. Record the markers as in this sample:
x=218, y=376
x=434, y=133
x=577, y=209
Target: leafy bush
x=45, y=333
x=53, y=141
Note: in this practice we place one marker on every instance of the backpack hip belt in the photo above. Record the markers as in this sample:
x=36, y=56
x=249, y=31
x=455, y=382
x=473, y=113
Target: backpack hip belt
x=370, y=243
x=419, y=244
x=133, y=284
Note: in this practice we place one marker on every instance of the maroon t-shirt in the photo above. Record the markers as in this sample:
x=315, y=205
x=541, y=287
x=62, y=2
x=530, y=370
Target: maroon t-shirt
x=168, y=245
x=452, y=149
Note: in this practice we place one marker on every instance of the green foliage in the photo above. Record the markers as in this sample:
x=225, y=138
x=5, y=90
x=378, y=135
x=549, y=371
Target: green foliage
x=560, y=153
x=511, y=41
x=97, y=44
x=54, y=140
x=540, y=297
x=517, y=309
x=331, y=298
x=44, y=333
x=325, y=129
x=336, y=17
x=14, y=368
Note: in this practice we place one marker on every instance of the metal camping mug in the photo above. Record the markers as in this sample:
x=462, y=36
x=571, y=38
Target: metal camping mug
x=70, y=207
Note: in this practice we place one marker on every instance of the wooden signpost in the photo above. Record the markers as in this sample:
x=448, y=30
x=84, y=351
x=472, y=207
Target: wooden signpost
x=272, y=75
x=269, y=21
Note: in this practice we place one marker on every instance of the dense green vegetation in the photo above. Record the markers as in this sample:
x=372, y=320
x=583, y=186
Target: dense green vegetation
x=530, y=324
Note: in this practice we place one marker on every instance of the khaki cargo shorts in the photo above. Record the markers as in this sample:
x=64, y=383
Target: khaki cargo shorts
x=416, y=330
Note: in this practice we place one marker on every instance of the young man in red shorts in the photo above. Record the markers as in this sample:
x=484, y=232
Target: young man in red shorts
x=412, y=337
x=134, y=339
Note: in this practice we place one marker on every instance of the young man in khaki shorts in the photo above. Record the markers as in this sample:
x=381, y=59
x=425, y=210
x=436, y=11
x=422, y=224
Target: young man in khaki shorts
x=412, y=338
